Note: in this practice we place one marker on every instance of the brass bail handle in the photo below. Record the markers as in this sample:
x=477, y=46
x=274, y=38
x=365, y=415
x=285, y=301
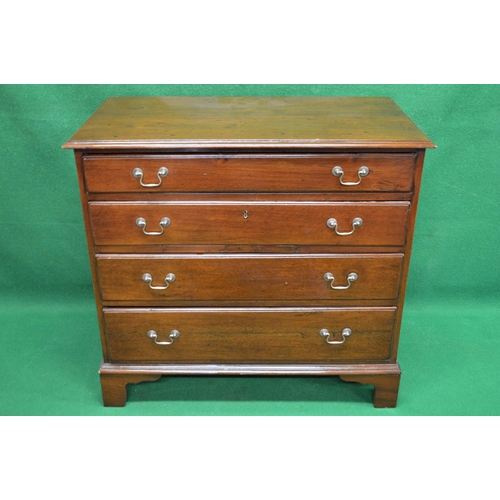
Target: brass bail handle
x=139, y=174
x=333, y=224
x=142, y=223
x=339, y=172
x=174, y=334
x=346, y=332
x=169, y=278
x=351, y=278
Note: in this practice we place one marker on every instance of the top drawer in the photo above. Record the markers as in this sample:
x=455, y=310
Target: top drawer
x=244, y=173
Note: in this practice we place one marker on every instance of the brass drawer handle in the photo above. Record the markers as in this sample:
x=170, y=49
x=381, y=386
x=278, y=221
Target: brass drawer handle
x=333, y=224
x=338, y=172
x=138, y=174
x=346, y=332
x=174, y=334
x=141, y=222
x=351, y=277
x=147, y=278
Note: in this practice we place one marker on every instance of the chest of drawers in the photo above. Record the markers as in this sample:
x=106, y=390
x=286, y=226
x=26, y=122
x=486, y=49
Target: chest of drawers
x=249, y=236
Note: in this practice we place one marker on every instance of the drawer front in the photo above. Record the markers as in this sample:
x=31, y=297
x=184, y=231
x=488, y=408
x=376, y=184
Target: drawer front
x=248, y=277
x=249, y=223
x=248, y=336
x=257, y=173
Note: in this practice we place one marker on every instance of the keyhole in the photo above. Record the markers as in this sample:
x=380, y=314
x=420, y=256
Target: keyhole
x=245, y=214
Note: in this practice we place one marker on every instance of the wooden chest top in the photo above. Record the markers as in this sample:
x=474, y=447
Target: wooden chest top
x=207, y=123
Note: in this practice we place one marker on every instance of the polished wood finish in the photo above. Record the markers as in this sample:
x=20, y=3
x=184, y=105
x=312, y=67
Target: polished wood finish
x=317, y=369
x=243, y=197
x=250, y=223
x=214, y=278
x=243, y=336
x=385, y=378
x=419, y=165
x=256, y=173
x=248, y=194
x=236, y=249
x=386, y=387
x=114, y=386
x=92, y=251
x=219, y=123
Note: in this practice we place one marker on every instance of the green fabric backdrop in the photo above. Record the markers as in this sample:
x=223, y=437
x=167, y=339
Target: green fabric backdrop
x=49, y=344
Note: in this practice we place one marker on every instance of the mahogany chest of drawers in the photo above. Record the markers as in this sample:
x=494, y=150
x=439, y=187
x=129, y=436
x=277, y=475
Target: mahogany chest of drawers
x=249, y=236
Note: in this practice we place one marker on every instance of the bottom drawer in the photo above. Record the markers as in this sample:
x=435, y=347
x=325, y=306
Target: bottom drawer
x=277, y=335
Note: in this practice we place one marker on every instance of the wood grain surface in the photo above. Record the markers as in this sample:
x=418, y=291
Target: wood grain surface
x=250, y=223
x=248, y=195
x=248, y=173
x=248, y=336
x=149, y=123
x=215, y=278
